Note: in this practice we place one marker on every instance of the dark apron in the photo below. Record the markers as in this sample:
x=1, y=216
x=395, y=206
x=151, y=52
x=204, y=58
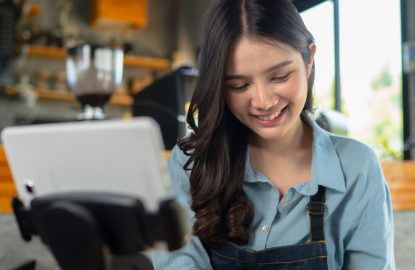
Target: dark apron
x=308, y=256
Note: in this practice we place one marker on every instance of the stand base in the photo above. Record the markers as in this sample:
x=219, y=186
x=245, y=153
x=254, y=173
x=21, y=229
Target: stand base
x=93, y=231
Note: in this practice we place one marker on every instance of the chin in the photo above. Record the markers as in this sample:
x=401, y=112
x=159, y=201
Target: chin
x=272, y=134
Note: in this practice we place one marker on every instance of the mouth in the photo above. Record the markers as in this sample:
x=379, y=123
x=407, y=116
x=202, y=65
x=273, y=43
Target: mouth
x=272, y=116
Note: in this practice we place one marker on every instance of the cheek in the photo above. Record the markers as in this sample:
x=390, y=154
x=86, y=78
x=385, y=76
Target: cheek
x=232, y=101
x=296, y=88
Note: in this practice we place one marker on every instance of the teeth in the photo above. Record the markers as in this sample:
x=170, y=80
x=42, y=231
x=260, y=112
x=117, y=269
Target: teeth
x=269, y=118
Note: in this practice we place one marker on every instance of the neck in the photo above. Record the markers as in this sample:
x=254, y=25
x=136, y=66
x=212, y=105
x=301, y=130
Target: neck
x=297, y=139
x=285, y=162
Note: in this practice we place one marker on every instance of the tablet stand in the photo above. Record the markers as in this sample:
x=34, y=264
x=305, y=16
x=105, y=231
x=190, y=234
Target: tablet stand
x=91, y=231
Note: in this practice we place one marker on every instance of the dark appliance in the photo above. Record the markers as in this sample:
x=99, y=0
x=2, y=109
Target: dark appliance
x=9, y=14
x=165, y=101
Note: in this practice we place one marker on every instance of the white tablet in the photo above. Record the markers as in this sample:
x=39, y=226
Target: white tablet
x=110, y=156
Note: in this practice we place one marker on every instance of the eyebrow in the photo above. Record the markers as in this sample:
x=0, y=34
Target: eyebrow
x=268, y=70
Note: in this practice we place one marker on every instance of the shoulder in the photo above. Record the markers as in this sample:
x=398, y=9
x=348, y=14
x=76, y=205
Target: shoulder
x=177, y=162
x=352, y=163
x=331, y=148
x=177, y=157
x=361, y=168
x=352, y=151
x=348, y=151
x=357, y=172
x=179, y=176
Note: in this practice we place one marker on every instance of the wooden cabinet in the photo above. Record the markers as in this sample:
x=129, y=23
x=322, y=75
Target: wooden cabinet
x=119, y=98
x=400, y=176
x=120, y=14
x=134, y=61
x=7, y=188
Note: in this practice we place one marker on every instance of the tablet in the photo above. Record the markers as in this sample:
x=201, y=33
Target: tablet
x=110, y=156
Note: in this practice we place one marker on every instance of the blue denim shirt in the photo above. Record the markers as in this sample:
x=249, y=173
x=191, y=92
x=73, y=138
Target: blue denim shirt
x=358, y=222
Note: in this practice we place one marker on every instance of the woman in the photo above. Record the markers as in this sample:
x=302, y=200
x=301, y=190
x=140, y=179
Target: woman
x=265, y=186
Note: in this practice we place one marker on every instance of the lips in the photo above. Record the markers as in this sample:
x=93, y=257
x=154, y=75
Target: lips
x=270, y=117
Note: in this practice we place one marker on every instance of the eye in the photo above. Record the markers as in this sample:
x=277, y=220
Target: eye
x=281, y=78
x=239, y=87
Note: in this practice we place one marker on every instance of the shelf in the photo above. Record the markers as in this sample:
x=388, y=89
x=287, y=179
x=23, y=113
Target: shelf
x=119, y=98
x=156, y=64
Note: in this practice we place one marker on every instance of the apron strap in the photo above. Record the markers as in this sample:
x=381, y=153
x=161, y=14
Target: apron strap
x=316, y=209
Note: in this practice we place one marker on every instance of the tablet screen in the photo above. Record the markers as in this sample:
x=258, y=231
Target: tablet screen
x=110, y=156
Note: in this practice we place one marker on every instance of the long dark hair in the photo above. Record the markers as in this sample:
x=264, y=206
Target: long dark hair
x=218, y=145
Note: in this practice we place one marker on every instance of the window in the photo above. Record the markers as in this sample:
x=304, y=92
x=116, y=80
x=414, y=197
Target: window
x=319, y=21
x=370, y=66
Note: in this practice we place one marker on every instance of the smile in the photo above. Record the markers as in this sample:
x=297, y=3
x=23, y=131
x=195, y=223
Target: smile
x=270, y=117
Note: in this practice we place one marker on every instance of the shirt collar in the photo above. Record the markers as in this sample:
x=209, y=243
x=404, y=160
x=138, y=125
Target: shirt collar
x=252, y=175
x=326, y=169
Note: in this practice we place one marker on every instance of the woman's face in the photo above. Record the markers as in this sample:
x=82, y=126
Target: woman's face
x=266, y=86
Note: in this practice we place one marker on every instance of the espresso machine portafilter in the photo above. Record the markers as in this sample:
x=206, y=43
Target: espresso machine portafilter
x=93, y=74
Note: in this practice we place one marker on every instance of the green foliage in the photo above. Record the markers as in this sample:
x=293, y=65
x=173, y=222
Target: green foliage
x=384, y=132
x=383, y=80
x=387, y=116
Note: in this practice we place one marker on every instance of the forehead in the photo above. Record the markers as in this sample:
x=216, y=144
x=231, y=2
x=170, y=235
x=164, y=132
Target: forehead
x=250, y=53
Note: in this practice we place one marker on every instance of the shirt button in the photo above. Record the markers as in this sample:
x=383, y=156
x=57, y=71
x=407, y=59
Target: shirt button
x=284, y=203
x=265, y=228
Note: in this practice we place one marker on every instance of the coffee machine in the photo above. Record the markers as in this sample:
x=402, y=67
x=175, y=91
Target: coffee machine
x=93, y=74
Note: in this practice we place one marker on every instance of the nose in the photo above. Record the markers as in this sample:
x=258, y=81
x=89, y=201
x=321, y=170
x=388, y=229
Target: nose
x=263, y=98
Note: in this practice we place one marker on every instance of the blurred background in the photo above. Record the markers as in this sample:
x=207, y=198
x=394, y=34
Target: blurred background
x=365, y=78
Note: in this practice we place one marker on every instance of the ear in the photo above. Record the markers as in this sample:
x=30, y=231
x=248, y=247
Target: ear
x=310, y=61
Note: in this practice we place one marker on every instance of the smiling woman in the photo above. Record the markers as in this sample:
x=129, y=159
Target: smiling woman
x=265, y=187
x=267, y=86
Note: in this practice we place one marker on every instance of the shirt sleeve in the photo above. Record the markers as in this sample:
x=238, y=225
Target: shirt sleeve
x=193, y=255
x=371, y=246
